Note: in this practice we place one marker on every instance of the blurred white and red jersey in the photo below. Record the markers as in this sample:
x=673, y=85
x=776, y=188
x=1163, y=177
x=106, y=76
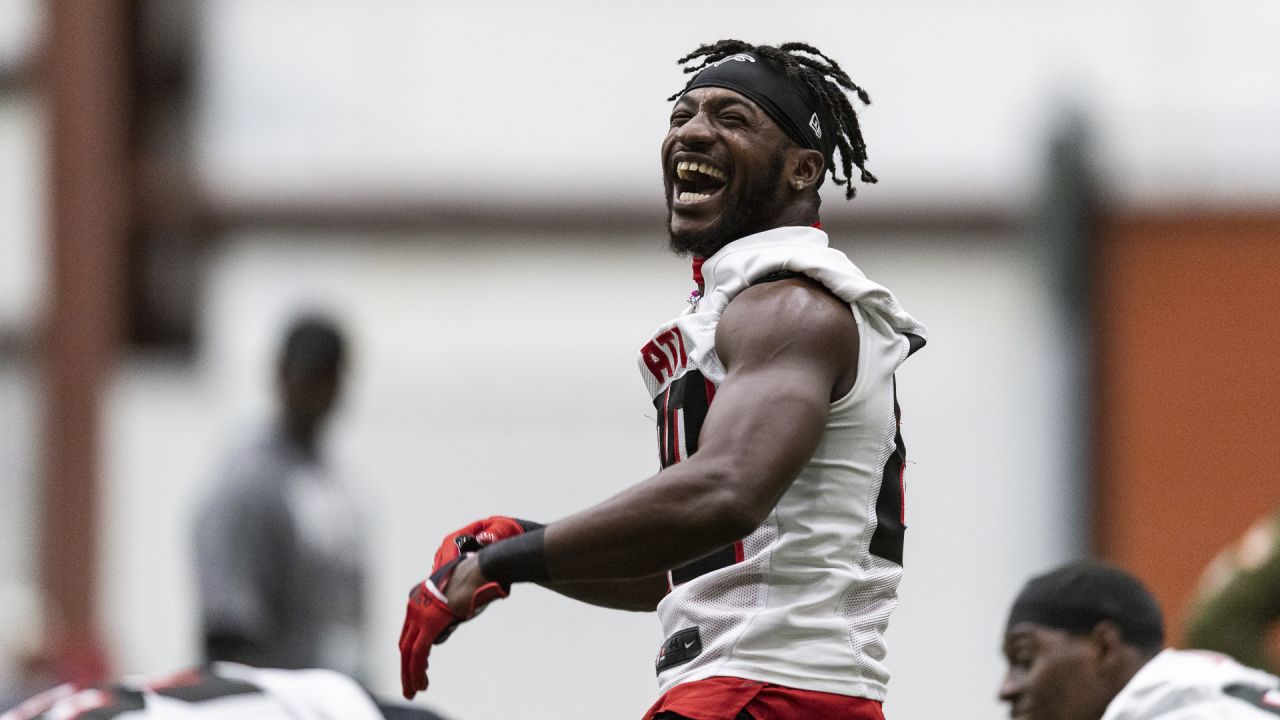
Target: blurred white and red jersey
x=219, y=691
x=1196, y=685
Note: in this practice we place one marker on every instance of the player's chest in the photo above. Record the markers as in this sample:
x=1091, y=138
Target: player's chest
x=679, y=347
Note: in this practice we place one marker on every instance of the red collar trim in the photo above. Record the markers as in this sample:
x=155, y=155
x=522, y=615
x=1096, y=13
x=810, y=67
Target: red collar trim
x=697, y=270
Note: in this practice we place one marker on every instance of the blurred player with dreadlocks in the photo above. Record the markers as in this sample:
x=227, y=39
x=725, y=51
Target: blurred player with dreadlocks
x=770, y=543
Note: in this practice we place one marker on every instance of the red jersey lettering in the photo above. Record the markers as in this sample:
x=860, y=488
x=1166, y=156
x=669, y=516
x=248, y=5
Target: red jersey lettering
x=665, y=355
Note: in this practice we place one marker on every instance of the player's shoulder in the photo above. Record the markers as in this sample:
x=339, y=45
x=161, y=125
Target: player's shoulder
x=790, y=318
x=1180, y=684
x=788, y=305
x=789, y=293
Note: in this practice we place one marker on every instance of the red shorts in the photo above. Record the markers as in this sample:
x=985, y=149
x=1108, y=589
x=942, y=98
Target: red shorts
x=723, y=698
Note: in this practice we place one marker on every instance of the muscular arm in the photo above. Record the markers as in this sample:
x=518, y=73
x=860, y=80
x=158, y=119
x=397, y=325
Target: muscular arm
x=640, y=594
x=789, y=348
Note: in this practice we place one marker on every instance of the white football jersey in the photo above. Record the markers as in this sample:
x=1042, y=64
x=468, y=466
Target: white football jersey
x=220, y=691
x=1197, y=685
x=804, y=600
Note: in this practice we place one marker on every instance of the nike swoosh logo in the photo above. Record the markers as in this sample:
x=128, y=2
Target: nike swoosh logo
x=689, y=644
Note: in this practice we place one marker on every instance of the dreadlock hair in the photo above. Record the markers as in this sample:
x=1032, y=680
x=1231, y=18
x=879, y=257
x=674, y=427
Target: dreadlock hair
x=822, y=75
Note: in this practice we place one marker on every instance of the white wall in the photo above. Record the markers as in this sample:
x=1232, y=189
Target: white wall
x=22, y=208
x=547, y=101
x=22, y=284
x=19, y=414
x=497, y=375
x=19, y=24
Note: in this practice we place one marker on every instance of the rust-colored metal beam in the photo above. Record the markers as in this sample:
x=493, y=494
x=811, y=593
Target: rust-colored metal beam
x=87, y=86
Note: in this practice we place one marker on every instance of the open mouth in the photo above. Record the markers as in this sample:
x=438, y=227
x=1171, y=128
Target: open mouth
x=697, y=182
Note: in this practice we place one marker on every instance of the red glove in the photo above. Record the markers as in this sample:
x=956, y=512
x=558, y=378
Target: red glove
x=471, y=538
x=428, y=620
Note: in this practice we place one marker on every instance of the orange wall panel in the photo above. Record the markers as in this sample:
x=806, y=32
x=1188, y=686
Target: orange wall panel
x=1188, y=392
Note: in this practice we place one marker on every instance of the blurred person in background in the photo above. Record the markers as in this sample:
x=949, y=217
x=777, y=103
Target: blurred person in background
x=219, y=691
x=1086, y=642
x=279, y=542
x=770, y=543
x=1237, y=611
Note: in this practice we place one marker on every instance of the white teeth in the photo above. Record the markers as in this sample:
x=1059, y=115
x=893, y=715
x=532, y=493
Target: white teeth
x=685, y=170
x=692, y=197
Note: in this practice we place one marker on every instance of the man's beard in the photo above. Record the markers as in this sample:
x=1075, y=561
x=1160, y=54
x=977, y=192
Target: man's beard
x=748, y=212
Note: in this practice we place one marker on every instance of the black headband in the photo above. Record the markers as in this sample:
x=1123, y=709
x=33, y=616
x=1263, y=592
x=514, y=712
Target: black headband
x=1078, y=596
x=788, y=101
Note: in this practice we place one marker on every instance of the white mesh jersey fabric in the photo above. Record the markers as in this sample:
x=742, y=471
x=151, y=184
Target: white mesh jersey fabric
x=1195, y=684
x=808, y=604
